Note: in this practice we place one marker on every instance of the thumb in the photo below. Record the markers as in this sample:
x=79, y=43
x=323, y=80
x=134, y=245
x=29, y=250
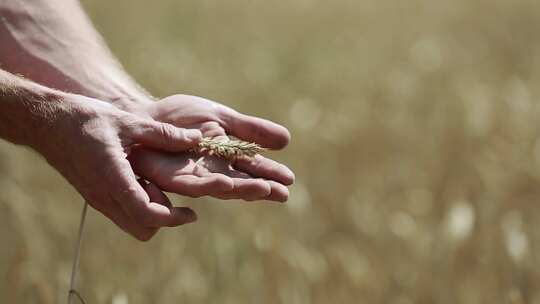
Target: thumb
x=165, y=136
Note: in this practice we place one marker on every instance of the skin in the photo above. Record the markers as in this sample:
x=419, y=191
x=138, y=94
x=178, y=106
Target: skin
x=259, y=178
x=115, y=129
x=99, y=137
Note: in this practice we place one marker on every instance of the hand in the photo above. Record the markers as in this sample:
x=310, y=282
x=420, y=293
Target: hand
x=196, y=175
x=216, y=119
x=98, y=137
x=192, y=175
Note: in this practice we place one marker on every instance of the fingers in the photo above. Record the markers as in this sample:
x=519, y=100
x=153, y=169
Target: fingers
x=135, y=202
x=183, y=215
x=223, y=187
x=264, y=132
x=247, y=188
x=113, y=211
x=275, y=174
x=260, y=166
x=210, y=129
x=116, y=214
x=155, y=194
x=177, y=174
x=197, y=186
x=164, y=136
x=278, y=192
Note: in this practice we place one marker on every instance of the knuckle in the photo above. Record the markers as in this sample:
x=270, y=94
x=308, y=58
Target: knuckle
x=130, y=193
x=223, y=115
x=85, y=114
x=94, y=130
x=211, y=125
x=129, y=124
x=258, y=164
x=167, y=132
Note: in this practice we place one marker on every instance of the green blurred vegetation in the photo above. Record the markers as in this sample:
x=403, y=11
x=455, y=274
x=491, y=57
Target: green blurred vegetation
x=416, y=146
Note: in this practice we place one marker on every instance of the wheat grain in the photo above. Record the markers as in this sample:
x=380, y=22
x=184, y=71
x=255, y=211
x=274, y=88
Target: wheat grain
x=228, y=147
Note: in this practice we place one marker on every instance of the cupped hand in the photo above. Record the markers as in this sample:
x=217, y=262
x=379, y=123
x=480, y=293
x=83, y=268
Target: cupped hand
x=258, y=178
x=88, y=142
x=196, y=175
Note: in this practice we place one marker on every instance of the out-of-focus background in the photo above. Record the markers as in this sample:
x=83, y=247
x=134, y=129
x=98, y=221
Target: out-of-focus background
x=416, y=146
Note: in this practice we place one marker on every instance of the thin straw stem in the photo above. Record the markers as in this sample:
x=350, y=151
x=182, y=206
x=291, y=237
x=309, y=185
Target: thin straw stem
x=75, y=269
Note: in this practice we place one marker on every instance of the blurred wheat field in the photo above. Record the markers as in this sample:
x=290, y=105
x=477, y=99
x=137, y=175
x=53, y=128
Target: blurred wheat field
x=416, y=146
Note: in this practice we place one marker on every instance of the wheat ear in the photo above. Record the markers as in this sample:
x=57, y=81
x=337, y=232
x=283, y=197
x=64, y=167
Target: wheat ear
x=228, y=147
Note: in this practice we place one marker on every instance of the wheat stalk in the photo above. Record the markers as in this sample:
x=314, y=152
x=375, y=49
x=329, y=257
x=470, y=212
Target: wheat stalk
x=228, y=147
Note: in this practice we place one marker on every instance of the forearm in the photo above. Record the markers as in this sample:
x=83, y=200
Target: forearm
x=27, y=110
x=54, y=43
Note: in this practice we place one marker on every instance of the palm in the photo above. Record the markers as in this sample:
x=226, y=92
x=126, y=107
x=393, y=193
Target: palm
x=198, y=175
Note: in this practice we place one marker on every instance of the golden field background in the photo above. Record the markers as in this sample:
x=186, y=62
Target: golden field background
x=416, y=147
